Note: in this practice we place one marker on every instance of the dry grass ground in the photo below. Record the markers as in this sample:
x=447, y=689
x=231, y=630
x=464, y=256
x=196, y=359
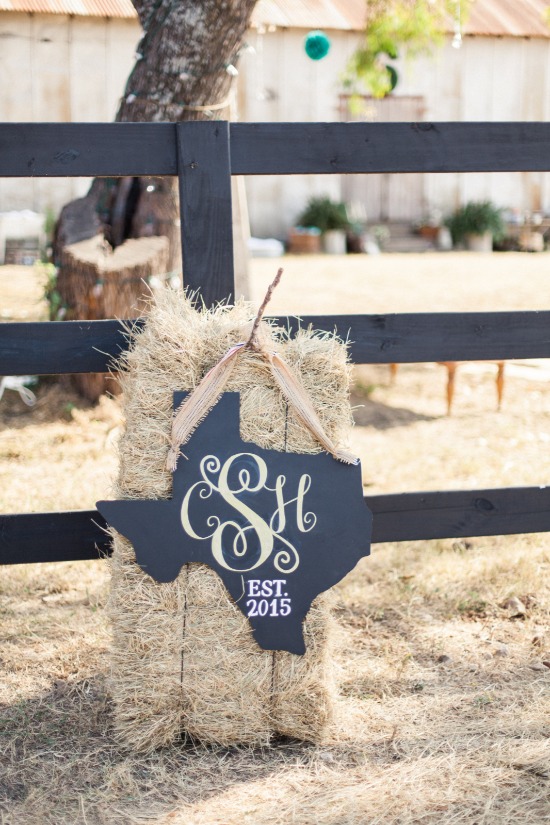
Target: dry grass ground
x=445, y=679
x=22, y=294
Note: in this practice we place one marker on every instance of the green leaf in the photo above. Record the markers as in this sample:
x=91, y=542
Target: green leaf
x=414, y=26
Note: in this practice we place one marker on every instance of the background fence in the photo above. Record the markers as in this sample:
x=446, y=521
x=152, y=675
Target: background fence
x=204, y=155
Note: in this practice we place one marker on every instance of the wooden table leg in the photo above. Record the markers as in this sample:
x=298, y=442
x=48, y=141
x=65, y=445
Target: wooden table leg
x=500, y=382
x=450, y=366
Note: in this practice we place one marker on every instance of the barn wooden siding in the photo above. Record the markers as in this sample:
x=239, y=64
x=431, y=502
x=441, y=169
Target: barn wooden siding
x=57, y=68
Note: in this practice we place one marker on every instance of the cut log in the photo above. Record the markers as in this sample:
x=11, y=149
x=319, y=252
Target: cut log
x=98, y=282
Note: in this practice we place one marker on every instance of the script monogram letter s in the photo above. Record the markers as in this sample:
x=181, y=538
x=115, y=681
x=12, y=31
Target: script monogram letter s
x=251, y=478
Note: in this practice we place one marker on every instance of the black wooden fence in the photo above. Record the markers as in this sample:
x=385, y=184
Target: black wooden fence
x=204, y=155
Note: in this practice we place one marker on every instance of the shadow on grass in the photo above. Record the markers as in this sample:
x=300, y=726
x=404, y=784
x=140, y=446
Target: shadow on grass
x=369, y=413
x=61, y=764
x=55, y=399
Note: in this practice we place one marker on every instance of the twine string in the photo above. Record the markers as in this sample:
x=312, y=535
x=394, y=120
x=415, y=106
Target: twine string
x=253, y=342
x=198, y=404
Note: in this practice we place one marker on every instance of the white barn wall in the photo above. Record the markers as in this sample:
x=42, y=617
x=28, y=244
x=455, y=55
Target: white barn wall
x=16, y=97
x=60, y=68
x=304, y=90
x=489, y=78
x=494, y=79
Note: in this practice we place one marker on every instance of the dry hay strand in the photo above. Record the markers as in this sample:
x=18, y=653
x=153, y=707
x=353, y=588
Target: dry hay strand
x=184, y=660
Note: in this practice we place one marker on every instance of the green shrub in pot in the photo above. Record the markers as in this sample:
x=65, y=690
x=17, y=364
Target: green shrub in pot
x=476, y=218
x=325, y=214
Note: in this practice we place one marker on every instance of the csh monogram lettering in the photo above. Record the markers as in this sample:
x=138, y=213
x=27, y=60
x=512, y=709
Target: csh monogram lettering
x=247, y=540
x=277, y=528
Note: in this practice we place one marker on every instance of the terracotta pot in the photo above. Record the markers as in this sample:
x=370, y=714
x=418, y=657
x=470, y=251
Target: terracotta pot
x=303, y=243
x=429, y=232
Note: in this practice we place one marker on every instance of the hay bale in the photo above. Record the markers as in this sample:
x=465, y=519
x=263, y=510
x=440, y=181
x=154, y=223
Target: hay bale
x=184, y=660
x=97, y=282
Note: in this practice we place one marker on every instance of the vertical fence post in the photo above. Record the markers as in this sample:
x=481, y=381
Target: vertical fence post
x=204, y=173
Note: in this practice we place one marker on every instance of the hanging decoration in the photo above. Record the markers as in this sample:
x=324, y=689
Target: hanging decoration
x=390, y=51
x=278, y=528
x=317, y=45
x=394, y=77
x=205, y=654
x=457, y=36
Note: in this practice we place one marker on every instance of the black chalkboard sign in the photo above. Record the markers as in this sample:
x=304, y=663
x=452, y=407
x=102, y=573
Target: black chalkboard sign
x=278, y=528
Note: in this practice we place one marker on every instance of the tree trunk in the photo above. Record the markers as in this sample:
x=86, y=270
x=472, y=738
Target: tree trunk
x=180, y=74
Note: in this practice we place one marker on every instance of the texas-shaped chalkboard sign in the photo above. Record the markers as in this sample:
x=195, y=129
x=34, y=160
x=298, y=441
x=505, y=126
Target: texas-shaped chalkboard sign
x=278, y=528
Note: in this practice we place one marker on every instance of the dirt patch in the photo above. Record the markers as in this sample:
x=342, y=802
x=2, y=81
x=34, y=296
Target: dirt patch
x=427, y=282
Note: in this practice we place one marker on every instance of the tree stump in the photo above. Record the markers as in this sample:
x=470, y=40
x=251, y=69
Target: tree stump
x=97, y=282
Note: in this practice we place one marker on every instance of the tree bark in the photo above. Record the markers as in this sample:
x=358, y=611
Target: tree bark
x=182, y=59
x=180, y=74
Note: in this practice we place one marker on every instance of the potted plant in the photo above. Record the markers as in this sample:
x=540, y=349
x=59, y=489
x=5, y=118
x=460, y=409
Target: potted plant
x=476, y=225
x=330, y=217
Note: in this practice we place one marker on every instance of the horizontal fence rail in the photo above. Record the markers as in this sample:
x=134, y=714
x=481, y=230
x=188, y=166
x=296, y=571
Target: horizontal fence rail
x=60, y=347
x=119, y=149
x=49, y=348
x=332, y=148
x=81, y=534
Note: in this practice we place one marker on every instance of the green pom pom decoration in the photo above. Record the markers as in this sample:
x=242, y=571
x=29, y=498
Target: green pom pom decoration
x=317, y=45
